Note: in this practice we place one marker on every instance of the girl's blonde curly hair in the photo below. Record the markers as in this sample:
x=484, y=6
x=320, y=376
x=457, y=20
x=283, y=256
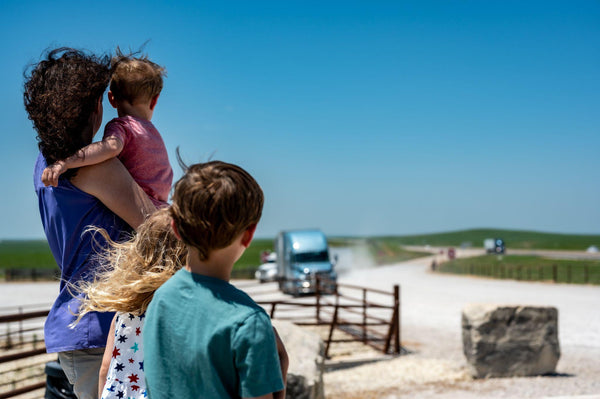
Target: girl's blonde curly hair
x=131, y=271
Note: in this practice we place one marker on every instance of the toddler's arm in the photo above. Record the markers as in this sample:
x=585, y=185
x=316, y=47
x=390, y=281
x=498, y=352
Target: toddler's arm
x=92, y=154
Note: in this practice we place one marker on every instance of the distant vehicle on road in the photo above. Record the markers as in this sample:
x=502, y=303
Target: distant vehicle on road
x=302, y=256
x=268, y=270
x=494, y=245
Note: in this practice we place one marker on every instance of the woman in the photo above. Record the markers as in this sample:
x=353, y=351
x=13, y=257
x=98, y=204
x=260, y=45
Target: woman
x=63, y=97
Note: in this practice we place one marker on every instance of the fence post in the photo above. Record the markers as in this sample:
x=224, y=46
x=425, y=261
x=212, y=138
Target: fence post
x=395, y=324
x=364, y=298
x=273, y=309
x=318, y=297
x=332, y=327
x=397, y=305
x=20, y=326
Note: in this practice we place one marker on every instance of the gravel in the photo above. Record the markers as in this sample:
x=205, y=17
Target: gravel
x=431, y=306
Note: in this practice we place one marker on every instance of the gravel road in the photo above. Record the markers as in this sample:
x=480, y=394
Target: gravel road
x=431, y=328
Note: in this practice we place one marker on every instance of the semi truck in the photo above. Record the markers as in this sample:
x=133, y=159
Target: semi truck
x=302, y=257
x=494, y=245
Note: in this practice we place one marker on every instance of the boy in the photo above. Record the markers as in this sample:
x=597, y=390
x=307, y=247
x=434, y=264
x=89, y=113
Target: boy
x=204, y=338
x=135, y=86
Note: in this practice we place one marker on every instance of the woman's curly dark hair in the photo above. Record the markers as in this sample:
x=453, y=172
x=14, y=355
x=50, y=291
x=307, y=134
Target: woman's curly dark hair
x=60, y=94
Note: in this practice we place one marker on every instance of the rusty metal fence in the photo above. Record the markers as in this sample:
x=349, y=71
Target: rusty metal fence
x=365, y=315
x=362, y=314
x=23, y=353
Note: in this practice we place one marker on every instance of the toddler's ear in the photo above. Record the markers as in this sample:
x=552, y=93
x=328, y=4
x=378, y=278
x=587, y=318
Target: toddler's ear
x=153, y=102
x=248, y=235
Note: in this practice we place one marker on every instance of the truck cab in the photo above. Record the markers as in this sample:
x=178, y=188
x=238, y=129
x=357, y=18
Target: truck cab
x=302, y=257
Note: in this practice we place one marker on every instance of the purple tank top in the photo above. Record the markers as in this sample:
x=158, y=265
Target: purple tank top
x=66, y=212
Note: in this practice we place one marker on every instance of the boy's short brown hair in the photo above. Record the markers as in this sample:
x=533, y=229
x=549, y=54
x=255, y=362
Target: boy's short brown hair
x=135, y=79
x=213, y=203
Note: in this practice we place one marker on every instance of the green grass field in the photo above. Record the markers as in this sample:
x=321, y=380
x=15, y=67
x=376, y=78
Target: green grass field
x=16, y=254
x=20, y=254
x=528, y=268
x=35, y=254
x=512, y=238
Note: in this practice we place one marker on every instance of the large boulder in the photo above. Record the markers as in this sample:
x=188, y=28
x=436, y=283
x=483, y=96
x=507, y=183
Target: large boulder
x=507, y=341
x=306, y=353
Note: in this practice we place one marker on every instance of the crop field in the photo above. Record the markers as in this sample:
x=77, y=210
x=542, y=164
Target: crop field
x=528, y=268
x=29, y=255
x=35, y=254
x=513, y=239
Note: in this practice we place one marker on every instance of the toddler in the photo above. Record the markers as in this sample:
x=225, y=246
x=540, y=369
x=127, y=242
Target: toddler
x=133, y=271
x=135, y=86
x=203, y=337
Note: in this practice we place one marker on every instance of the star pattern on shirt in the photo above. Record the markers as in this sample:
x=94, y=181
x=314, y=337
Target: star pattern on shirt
x=125, y=379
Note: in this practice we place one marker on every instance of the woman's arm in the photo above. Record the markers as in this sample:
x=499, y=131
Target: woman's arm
x=112, y=184
x=110, y=342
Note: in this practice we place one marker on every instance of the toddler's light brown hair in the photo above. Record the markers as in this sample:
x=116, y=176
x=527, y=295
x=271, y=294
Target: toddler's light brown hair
x=135, y=79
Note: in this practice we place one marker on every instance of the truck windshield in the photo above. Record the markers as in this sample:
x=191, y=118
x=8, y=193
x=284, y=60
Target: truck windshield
x=306, y=257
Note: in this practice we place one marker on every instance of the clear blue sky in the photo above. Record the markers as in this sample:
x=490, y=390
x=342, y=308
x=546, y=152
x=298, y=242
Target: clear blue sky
x=360, y=118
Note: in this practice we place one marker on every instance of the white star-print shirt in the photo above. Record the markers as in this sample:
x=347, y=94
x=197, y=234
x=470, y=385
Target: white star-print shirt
x=125, y=378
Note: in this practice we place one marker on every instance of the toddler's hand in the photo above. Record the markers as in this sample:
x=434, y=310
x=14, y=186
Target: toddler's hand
x=51, y=174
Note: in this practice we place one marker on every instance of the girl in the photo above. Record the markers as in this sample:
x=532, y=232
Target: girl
x=133, y=271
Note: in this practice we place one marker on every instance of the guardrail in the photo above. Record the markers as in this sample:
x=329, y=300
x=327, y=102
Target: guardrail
x=31, y=274
x=558, y=273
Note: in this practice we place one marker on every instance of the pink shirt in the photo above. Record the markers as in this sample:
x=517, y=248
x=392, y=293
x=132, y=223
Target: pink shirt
x=144, y=155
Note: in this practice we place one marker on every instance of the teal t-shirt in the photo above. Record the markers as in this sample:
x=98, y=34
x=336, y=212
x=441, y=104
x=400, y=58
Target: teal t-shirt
x=204, y=338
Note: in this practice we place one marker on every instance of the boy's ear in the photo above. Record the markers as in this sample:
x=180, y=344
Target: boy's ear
x=248, y=235
x=153, y=102
x=175, y=231
x=111, y=99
